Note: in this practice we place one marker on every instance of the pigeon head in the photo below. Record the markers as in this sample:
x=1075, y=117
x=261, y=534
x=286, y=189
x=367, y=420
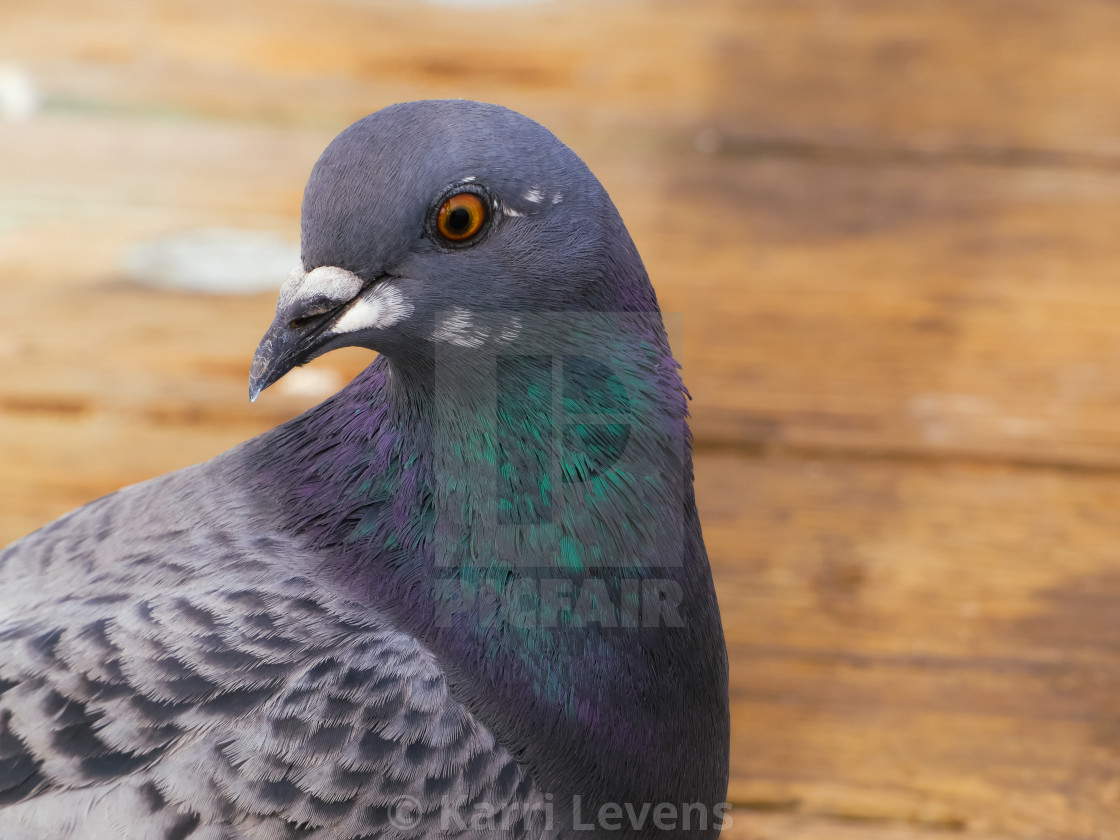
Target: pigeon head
x=433, y=224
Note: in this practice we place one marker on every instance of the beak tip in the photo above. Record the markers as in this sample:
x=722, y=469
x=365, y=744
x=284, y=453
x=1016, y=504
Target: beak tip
x=258, y=382
x=259, y=378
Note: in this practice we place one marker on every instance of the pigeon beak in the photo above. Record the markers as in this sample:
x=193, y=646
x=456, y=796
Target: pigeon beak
x=279, y=351
x=309, y=304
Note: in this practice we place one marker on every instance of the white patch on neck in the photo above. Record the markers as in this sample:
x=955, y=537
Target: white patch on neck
x=381, y=308
x=458, y=328
x=534, y=195
x=336, y=285
x=557, y=198
x=509, y=211
x=511, y=330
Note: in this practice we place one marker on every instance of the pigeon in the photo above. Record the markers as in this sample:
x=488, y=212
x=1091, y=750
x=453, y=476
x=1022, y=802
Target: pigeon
x=466, y=596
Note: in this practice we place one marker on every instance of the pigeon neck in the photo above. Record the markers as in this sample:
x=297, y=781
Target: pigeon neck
x=529, y=517
x=563, y=551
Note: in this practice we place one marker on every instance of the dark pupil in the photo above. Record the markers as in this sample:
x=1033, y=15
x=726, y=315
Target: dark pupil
x=458, y=219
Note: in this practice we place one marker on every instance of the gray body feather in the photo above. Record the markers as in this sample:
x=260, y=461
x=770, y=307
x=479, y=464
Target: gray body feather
x=166, y=680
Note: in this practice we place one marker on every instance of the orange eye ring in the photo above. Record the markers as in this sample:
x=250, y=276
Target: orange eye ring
x=461, y=217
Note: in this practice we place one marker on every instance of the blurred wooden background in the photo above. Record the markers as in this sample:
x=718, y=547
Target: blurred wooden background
x=892, y=232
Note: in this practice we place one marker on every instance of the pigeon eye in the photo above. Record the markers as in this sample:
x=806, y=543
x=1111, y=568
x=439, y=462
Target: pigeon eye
x=461, y=217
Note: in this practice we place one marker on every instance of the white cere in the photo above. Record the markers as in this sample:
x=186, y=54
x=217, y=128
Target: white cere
x=335, y=284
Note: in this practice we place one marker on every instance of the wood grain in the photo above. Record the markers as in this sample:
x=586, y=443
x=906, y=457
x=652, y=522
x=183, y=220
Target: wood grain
x=960, y=310
x=887, y=233
x=927, y=645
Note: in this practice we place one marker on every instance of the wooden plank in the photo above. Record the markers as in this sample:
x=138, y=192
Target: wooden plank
x=983, y=79
x=948, y=311
x=954, y=310
x=926, y=646
x=846, y=286
x=932, y=76
x=759, y=824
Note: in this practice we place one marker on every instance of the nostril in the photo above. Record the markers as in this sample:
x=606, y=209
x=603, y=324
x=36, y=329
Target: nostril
x=310, y=318
x=313, y=311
